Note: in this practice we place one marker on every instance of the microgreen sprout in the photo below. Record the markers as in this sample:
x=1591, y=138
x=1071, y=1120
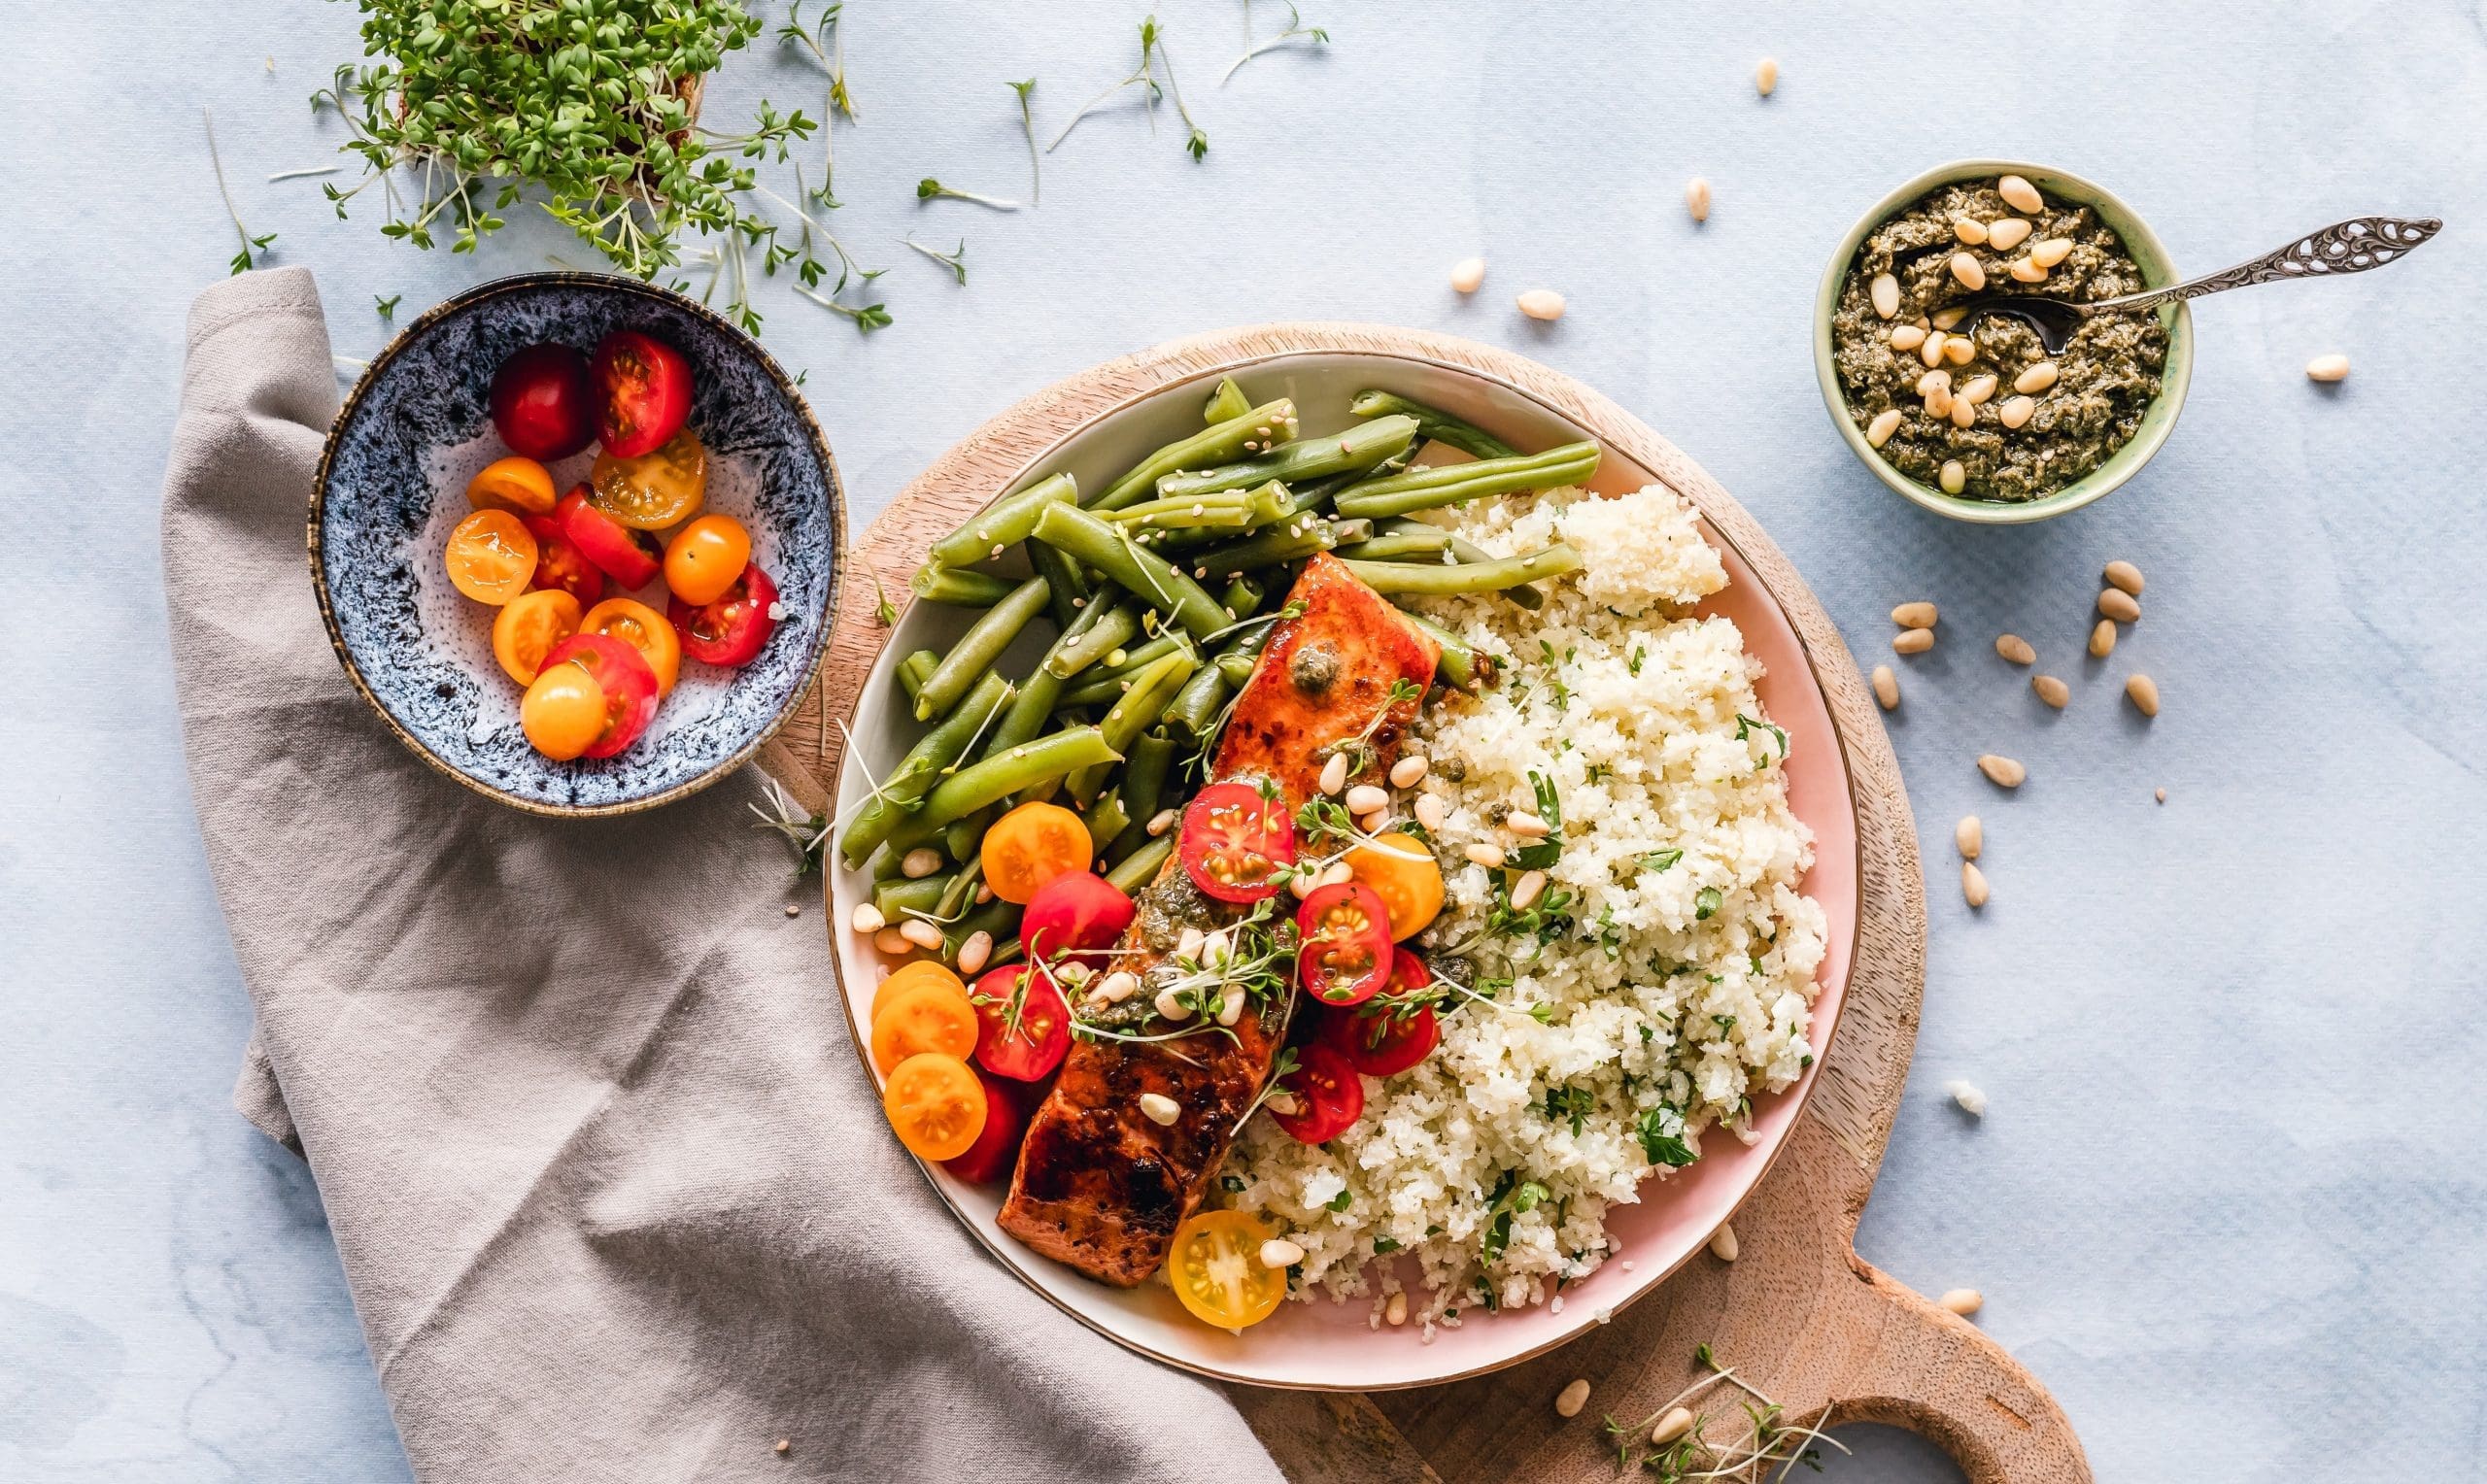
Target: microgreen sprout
x=1296, y=30
x=1142, y=77
x=931, y=190
x=1768, y=1446
x=1196, y=139
x=1285, y=1067
x=806, y=833
x=883, y=610
x=306, y=171
x=825, y=40
x=956, y=259
x=386, y=307
x=1028, y=127
x=868, y=318
x=242, y=261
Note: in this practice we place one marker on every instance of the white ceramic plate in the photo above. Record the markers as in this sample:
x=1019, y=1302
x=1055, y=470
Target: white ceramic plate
x=1321, y=1344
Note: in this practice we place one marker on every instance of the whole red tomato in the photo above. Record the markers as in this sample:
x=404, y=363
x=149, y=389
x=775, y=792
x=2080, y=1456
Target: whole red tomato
x=996, y=1151
x=643, y=392
x=544, y=402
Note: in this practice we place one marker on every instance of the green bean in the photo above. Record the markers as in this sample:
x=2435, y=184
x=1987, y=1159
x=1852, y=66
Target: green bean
x=1027, y=714
x=1150, y=693
x=915, y=669
x=1198, y=704
x=962, y=888
x=1143, y=790
x=1237, y=668
x=921, y=768
x=979, y=649
x=1104, y=687
x=1145, y=574
x=999, y=777
x=1106, y=819
x=958, y=586
x=963, y=840
x=1114, y=630
x=1213, y=445
x=1225, y=404
x=1360, y=447
x=1280, y=544
x=1428, y=580
x=1434, y=424
x=1283, y=510
x=1067, y=588
x=1139, y=868
x=1459, y=665
x=1457, y=484
x=904, y=896
x=999, y=918
x=1227, y=511
x=1005, y=522
x=1243, y=598
x=1400, y=539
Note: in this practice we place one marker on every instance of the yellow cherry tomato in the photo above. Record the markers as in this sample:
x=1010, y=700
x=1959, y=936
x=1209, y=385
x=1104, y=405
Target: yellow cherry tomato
x=937, y=1105
x=1032, y=845
x=705, y=557
x=521, y=486
x=526, y=628
x=1401, y=871
x=910, y=974
x=490, y=555
x=653, y=491
x=644, y=630
x=1215, y=1268
x=925, y=1016
x=563, y=712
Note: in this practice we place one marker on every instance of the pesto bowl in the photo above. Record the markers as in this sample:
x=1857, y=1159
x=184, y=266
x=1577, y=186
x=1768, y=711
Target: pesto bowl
x=2148, y=253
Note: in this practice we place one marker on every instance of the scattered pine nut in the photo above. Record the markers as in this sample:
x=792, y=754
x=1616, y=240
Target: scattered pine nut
x=1467, y=274
x=1171, y=1009
x=2050, y=252
x=1913, y=641
x=868, y=918
x=1115, y=988
x=2019, y=194
x=1333, y=773
x=2025, y=271
x=1966, y=269
x=1674, y=1424
x=1765, y=77
x=2102, y=639
x=1971, y=1101
x=1279, y=1252
x=1569, y=1401
x=1541, y=304
x=1931, y=349
x=1405, y=773
x=2016, y=649
x=1977, y=388
x=1431, y=812
x=1953, y=479
x=1969, y=836
x=1527, y=825
x=2160, y=793
x=2037, y=378
x=973, y=953
x=1963, y=1302
x=1160, y=823
x=1365, y=798
x=1969, y=229
x=1160, y=1109
x=1371, y=824
x=1885, y=291
x=2016, y=411
x=784, y=1444
x=2001, y=771
x=1938, y=401
x=920, y=863
x=1959, y=349
x=1887, y=688
x=1973, y=884
x=1723, y=1243
x=1525, y=891
x=2055, y=692
x=1964, y=412
x=794, y=909
x=1886, y=422
x=2125, y=575
x=1944, y=319
x=2005, y=235
x=1396, y=1310
x=2118, y=604
x=891, y=942
x=1916, y=615
x=1907, y=337
x=2328, y=368
x=921, y=933
x=1696, y=198
x=1487, y=855
x=2143, y=692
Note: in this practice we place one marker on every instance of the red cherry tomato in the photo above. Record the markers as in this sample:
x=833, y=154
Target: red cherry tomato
x=643, y=393
x=1234, y=840
x=730, y=631
x=543, y=402
x=559, y=563
x=1024, y=1023
x=995, y=1150
x=631, y=558
x=1347, y=954
x=630, y=687
x=1328, y=1097
x=1077, y=912
x=1385, y=1035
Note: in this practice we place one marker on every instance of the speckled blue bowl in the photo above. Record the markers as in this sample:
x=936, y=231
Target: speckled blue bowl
x=392, y=476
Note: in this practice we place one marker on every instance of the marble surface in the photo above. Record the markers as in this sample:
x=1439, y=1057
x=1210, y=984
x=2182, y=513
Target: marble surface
x=2226, y=1203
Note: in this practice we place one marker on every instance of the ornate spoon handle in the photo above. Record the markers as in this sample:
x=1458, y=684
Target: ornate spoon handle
x=2344, y=247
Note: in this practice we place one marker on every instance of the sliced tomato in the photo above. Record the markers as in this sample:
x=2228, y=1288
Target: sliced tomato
x=1328, y=1097
x=1347, y=954
x=559, y=563
x=643, y=393
x=544, y=402
x=1074, y=914
x=1233, y=841
x=631, y=558
x=1024, y=1028
x=653, y=491
x=490, y=556
x=730, y=631
x=644, y=630
x=1390, y=1032
x=1215, y=1267
x=629, y=688
x=937, y=1105
x=1032, y=845
x=527, y=629
x=995, y=1150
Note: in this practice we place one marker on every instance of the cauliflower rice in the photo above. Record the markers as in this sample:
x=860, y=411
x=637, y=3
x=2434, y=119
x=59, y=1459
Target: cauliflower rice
x=1681, y=985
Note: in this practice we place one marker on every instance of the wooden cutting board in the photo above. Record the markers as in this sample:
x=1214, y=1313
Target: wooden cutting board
x=1797, y=1314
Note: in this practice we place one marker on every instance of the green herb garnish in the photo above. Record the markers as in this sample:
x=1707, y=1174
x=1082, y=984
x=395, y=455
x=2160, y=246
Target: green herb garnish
x=1296, y=30
x=1705, y=903
x=242, y=261
x=1660, y=1146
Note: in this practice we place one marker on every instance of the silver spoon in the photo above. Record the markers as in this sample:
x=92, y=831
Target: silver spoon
x=2346, y=247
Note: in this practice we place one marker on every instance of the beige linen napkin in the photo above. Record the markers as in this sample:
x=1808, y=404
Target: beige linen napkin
x=615, y=1199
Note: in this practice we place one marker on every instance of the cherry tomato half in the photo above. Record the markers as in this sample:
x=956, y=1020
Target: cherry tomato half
x=644, y=630
x=653, y=491
x=643, y=392
x=1074, y=914
x=544, y=402
x=1215, y=1267
x=631, y=558
x=937, y=1105
x=1234, y=840
x=1346, y=955
x=559, y=563
x=910, y=973
x=1386, y=1034
x=730, y=631
x=490, y=556
x=520, y=486
x=562, y=712
x=995, y=1150
x=705, y=557
x=1328, y=1097
x=925, y=1016
x=527, y=629
x=1032, y=845
x=629, y=688
x=1023, y=1025
x=1402, y=872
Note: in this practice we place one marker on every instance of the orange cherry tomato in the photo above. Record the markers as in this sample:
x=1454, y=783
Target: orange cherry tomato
x=491, y=555
x=1032, y=845
x=528, y=626
x=630, y=687
x=1214, y=1267
x=644, y=630
x=937, y=1105
x=563, y=712
x=520, y=486
x=653, y=491
x=705, y=557
x=1401, y=871
x=918, y=971
x=926, y=1016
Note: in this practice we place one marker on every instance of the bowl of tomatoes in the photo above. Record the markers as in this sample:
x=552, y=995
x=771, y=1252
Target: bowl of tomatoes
x=577, y=539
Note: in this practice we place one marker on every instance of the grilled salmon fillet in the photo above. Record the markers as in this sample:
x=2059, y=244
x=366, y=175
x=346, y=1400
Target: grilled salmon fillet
x=1099, y=1184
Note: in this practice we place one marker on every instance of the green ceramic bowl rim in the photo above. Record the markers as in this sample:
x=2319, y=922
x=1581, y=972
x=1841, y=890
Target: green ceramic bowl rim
x=2156, y=269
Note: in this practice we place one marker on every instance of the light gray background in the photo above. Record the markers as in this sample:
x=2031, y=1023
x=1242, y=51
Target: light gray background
x=2228, y=1203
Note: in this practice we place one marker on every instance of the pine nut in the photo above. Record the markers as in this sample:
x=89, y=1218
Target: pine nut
x=2160, y=793
x=1527, y=825
x=1971, y=1101
x=1189, y=943
x=2125, y=575
x=1373, y=822
x=1541, y=304
x=1959, y=349
x=1944, y=319
x=973, y=953
x=1885, y=291
x=1674, y=1424
x=2002, y=771
x=1333, y=773
x=1913, y=641
x=1160, y=823
x=891, y=942
x=1965, y=267
x=1279, y=1252
x=2118, y=604
x=1973, y=888
x=1934, y=380
x=1953, y=479
x=1979, y=388
x=2143, y=692
x=1364, y=798
x=1300, y=884
x=1696, y=198
x=1969, y=836
x=2037, y=378
x=1431, y=811
x=2016, y=649
x=920, y=863
x=1887, y=688
x=921, y=933
x=1115, y=988
x=2102, y=639
x=1931, y=349
x=1467, y=274
x=2005, y=235
x=2019, y=194
x=2328, y=368
x=1569, y=1401
x=2025, y=271
x=1969, y=229
x=1886, y=422
x=1405, y=773
x=2016, y=411
x=1396, y=1310
x=1907, y=337
x=1963, y=1302
x=1964, y=414
x=1230, y=1010
x=1938, y=402
x=1765, y=77
x=1481, y=853
x=1160, y=1109
x=2055, y=692
x=1723, y=1243
x=868, y=918
x=1916, y=615
x=2051, y=251
x=1171, y=1007
x=1335, y=873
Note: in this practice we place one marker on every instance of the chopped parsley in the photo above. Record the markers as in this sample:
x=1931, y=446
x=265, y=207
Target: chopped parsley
x=1659, y=860
x=1745, y=725
x=1662, y=1147
x=1573, y=1103
x=1638, y=655
x=1512, y=1196
x=1382, y=1244
x=1706, y=902
x=1341, y=1200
